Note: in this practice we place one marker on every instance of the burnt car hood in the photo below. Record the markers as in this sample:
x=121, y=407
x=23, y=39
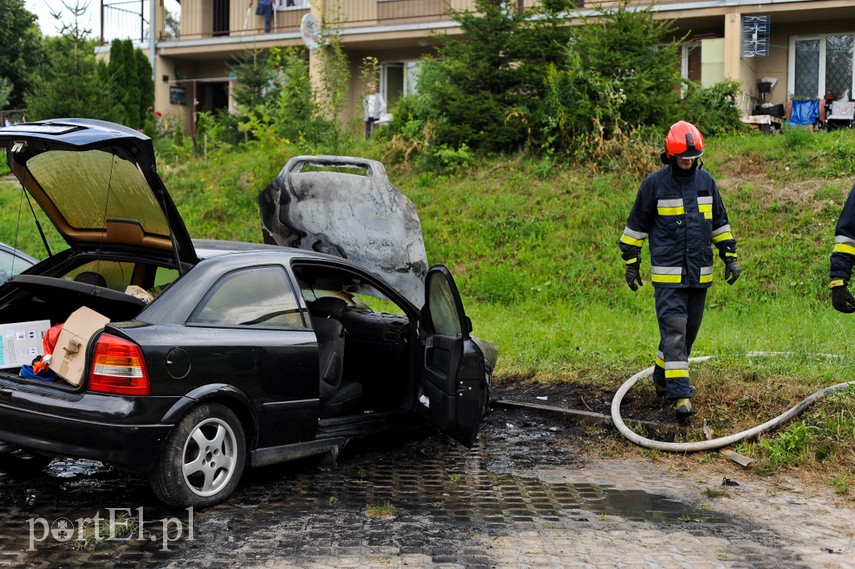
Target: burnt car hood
x=98, y=184
x=347, y=206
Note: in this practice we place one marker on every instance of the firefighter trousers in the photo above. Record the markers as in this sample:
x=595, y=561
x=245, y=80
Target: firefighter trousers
x=679, y=311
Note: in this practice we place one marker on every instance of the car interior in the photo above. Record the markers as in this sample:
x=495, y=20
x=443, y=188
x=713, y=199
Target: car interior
x=363, y=339
x=100, y=285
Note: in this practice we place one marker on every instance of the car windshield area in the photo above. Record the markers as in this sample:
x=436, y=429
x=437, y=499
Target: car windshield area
x=352, y=290
x=12, y=264
x=118, y=289
x=119, y=275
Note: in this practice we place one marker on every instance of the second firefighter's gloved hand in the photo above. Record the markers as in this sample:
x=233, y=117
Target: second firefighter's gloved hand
x=633, y=275
x=731, y=270
x=841, y=299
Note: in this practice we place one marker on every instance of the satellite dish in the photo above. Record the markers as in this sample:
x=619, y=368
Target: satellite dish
x=310, y=29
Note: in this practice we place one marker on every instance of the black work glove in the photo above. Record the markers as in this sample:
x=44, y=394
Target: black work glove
x=633, y=275
x=731, y=270
x=841, y=299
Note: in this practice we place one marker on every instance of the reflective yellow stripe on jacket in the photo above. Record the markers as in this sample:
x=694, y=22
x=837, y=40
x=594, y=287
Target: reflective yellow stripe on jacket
x=843, y=244
x=666, y=274
x=670, y=207
x=705, y=206
x=721, y=234
x=706, y=275
x=633, y=238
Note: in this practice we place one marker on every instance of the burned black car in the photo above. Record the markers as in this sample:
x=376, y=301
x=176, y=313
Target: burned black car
x=187, y=361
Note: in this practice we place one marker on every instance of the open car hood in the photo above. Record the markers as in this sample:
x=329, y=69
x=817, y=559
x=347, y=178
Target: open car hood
x=98, y=184
x=347, y=207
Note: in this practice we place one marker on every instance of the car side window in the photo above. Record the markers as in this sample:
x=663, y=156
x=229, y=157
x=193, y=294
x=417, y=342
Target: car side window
x=443, y=309
x=259, y=297
x=11, y=265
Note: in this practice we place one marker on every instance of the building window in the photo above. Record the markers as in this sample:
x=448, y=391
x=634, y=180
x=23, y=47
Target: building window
x=822, y=64
x=220, y=21
x=398, y=79
x=691, y=61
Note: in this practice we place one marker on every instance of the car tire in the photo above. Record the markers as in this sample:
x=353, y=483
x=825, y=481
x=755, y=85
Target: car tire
x=203, y=459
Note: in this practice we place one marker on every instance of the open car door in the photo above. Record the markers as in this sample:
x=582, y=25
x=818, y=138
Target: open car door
x=454, y=383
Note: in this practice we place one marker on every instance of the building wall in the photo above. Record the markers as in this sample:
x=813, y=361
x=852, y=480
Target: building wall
x=712, y=61
x=395, y=30
x=774, y=66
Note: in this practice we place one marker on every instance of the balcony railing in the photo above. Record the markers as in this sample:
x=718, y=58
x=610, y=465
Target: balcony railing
x=197, y=24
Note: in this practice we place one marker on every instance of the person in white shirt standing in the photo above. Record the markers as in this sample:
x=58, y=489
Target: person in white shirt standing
x=373, y=107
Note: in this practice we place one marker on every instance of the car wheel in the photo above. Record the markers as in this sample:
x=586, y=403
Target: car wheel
x=203, y=459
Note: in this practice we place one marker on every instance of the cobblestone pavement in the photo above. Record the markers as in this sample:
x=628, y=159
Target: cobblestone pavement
x=524, y=496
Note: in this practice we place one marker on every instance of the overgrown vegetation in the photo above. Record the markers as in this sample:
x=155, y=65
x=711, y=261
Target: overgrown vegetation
x=74, y=84
x=523, y=80
x=60, y=76
x=21, y=51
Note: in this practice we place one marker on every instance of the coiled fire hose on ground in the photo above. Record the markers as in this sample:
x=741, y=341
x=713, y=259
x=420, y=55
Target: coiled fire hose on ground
x=713, y=443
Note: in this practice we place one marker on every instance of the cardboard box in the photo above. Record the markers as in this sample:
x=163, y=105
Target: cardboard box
x=22, y=342
x=69, y=355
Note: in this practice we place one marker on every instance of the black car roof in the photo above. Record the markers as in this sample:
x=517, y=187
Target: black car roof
x=209, y=248
x=74, y=132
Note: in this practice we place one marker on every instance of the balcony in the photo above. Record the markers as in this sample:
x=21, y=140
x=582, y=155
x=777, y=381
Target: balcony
x=207, y=19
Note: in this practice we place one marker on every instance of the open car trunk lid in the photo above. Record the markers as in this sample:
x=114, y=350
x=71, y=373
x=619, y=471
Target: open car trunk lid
x=98, y=184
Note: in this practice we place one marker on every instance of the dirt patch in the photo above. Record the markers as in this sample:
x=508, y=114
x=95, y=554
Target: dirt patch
x=745, y=172
x=640, y=404
x=602, y=441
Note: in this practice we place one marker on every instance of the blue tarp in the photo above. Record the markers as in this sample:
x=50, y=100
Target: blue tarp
x=804, y=112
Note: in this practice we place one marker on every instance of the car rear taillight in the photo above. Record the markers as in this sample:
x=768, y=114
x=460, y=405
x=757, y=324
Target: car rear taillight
x=118, y=367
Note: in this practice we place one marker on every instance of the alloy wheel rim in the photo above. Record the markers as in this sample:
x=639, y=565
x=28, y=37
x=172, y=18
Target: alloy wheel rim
x=209, y=457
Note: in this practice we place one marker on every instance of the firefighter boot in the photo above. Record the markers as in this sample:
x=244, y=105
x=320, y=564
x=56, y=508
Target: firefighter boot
x=683, y=408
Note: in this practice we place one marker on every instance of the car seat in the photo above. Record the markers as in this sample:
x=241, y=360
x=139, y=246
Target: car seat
x=338, y=397
x=91, y=277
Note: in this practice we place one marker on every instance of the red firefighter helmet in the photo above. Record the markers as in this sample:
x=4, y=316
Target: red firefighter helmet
x=684, y=140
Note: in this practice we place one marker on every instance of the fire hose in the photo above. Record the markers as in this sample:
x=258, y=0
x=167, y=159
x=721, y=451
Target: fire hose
x=713, y=443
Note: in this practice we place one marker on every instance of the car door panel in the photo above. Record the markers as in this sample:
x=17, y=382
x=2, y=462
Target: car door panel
x=276, y=369
x=454, y=382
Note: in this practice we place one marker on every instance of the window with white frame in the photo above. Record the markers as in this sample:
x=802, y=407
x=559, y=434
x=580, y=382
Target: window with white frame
x=822, y=64
x=398, y=79
x=282, y=5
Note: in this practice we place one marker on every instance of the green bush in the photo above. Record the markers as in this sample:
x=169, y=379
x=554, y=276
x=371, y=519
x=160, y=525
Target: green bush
x=275, y=100
x=713, y=109
x=485, y=91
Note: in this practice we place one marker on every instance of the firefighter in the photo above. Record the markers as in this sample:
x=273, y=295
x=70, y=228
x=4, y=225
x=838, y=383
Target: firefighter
x=680, y=209
x=843, y=257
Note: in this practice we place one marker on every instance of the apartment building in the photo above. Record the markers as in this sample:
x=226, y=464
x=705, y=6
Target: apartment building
x=777, y=49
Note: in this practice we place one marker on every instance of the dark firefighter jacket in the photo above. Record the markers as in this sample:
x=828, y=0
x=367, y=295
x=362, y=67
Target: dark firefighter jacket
x=682, y=213
x=843, y=254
